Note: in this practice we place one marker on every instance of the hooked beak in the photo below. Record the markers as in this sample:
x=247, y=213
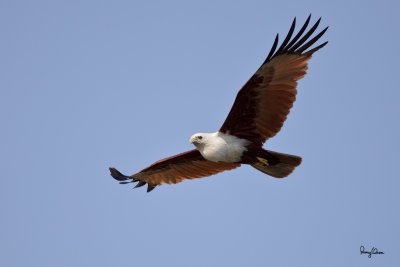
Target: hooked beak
x=193, y=140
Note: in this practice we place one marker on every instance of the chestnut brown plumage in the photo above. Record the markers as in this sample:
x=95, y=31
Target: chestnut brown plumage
x=258, y=113
x=263, y=103
x=172, y=170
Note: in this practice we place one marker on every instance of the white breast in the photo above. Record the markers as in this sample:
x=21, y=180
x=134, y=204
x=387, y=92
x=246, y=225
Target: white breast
x=223, y=147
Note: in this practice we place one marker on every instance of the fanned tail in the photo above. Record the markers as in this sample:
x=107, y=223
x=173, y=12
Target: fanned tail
x=276, y=164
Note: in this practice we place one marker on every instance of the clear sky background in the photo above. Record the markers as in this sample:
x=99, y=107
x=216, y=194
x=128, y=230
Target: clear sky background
x=85, y=85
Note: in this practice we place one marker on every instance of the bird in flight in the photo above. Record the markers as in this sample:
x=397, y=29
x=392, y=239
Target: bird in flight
x=258, y=113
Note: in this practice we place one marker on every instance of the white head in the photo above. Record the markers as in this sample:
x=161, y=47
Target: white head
x=199, y=139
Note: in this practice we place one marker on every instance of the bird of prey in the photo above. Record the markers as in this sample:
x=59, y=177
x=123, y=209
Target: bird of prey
x=258, y=113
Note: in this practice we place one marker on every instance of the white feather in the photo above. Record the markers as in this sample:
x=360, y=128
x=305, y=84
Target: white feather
x=219, y=146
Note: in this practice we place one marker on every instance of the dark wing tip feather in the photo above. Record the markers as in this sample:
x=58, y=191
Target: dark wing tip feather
x=272, y=51
x=299, y=43
x=126, y=182
x=288, y=36
x=150, y=187
x=140, y=184
x=311, y=42
x=117, y=175
x=305, y=37
x=123, y=179
x=298, y=35
x=315, y=49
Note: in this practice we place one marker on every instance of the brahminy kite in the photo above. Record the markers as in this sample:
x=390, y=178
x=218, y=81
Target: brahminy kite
x=258, y=113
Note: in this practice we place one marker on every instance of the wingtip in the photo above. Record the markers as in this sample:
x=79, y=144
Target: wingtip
x=315, y=49
x=150, y=187
x=126, y=182
x=117, y=175
x=140, y=184
x=323, y=44
x=272, y=51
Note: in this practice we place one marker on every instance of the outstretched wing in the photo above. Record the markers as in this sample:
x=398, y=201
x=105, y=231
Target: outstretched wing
x=263, y=103
x=172, y=170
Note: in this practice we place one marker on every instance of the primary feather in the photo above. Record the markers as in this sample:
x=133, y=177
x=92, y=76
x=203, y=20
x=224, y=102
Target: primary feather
x=258, y=113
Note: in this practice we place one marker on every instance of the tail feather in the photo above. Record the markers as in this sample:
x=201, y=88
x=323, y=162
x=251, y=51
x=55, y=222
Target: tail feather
x=276, y=164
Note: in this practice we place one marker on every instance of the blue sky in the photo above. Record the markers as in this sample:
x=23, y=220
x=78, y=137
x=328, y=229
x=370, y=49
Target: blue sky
x=85, y=85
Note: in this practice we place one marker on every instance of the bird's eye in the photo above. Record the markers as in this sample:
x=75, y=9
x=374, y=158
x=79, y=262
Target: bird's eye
x=200, y=137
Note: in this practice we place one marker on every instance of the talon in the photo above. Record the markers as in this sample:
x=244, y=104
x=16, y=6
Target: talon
x=263, y=161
